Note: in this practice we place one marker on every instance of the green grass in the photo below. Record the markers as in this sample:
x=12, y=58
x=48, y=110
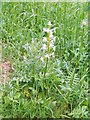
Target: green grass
x=57, y=87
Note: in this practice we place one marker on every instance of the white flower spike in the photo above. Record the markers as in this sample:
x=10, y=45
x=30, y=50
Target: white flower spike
x=44, y=47
x=49, y=23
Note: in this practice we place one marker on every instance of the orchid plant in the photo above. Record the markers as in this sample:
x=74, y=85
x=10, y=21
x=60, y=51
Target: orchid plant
x=41, y=52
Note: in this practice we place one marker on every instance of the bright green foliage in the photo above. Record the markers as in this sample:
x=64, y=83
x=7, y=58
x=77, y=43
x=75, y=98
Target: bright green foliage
x=50, y=77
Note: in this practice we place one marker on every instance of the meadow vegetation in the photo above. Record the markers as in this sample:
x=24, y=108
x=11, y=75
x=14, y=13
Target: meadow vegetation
x=46, y=45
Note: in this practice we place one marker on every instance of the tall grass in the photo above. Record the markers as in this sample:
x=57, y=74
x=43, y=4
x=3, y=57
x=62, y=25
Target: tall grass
x=46, y=82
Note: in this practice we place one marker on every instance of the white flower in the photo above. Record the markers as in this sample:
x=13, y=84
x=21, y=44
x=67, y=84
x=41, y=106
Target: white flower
x=24, y=13
x=33, y=40
x=51, y=44
x=44, y=47
x=51, y=35
x=54, y=39
x=54, y=29
x=84, y=23
x=25, y=58
x=46, y=56
x=46, y=30
x=26, y=46
x=44, y=39
x=52, y=54
x=42, y=59
x=47, y=74
x=49, y=23
x=54, y=48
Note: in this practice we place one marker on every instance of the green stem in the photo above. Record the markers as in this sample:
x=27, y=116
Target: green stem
x=45, y=70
